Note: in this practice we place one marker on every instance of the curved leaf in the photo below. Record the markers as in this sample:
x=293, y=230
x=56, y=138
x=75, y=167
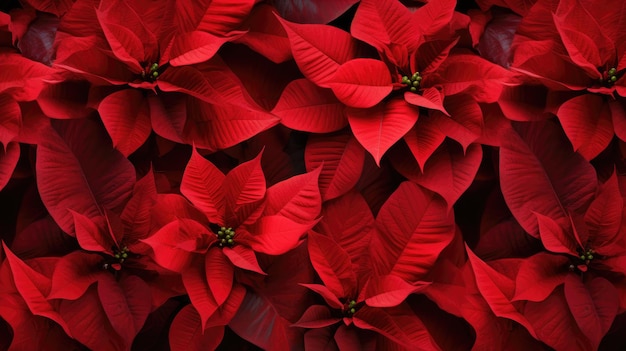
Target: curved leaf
x=540, y=173
x=305, y=106
x=333, y=265
x=586, y=119
x=361, y=82
x=414, y=226
x=297, y=198
x=126, y=303
x=77, y=169
x=448, y=172
x=380, y=127
x=126, y=116
x=319, y=50
x=186, y=332
x=202, y=184
x=341, y=158
x=593, y=304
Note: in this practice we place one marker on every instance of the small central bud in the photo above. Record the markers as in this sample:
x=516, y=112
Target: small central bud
x=413, y=82
x=581, y=263
x=350, y=308
x=225, y=237
x=121, y=255
x=150, y=73
x=609, y=77
x=587, y=256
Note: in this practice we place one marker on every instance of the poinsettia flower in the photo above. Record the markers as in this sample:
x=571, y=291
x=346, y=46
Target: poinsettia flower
x=155, y=62
x=556, y=54
x=357, y=295
x=418, y=69
x=242, y=218
x=354, y=303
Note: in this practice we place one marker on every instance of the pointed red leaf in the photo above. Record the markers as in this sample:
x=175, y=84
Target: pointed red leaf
x=594, y=306
x=90, y=235
x=385, y=22
x=586, y=119
x=539, y=173
x=474, y=75
x=195, y=47
x=244, y=185
x=229, y=308
x=33, y=287
x=219, y=274
x=77, y=169
x=305, y=106
x=604, y=216
x=126, y=116
x=89, y=324
x=497, y=289
x=297, y=198
x=202, y=184
x=331, y=299
x=388, y=291
x=260, y=323
x=381, y=126
x=348, y=220
x=136, y=216
x=433, y=16
x=430, y=98
x=397, y=324
x=341, y=158
x=333, y=265
x=266, y=35
x=423, y=139
x=539, y=275
x=74, y=274
x=222, y=16
x=414, y=226
x=361, y=82
x=243, y=258
x=126, y=303
x=275, y=235
x=175, y=243
x=319, y=50
x=197, y=287
x=554, y=237
x=448, y=172
x=186, y=332
x=316, y=316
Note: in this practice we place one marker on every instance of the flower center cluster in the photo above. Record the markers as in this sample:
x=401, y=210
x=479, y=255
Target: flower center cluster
x=349, y=308
x=413, y=82
x=226, y=237
x=121, y=255
x=587, y=256
x=609, y=77
x=150, y=73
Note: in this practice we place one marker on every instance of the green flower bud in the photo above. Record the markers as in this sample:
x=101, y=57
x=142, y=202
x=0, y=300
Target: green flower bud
x=416, y=83
x=582, y=257
x=590, y=257
x=230, y=241
x=612, y=71
x=613, y=78
x=352, y=310
x=125, y=255
x=413, y=89
x=155, y=74
x=154, y=66
x=117, y=256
